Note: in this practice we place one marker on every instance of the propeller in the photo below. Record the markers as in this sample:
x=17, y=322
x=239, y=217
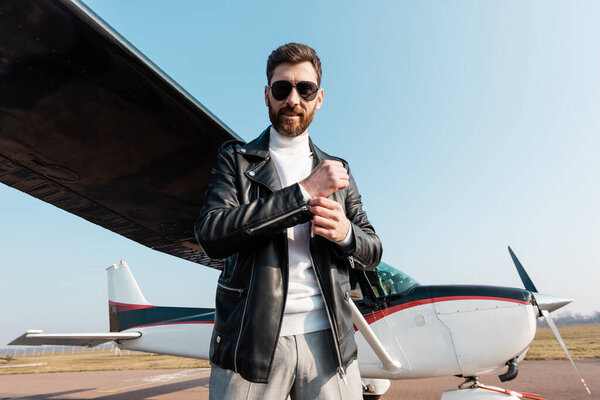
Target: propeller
x=546, y=304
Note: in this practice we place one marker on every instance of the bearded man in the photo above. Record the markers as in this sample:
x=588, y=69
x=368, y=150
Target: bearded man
x=289, y=222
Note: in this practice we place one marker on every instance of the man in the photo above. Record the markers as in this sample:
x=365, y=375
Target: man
x=288, y=220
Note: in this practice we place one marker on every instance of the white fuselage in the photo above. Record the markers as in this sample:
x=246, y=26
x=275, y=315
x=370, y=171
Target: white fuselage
x=185, y=340
x=465, y=337
x=454, y=337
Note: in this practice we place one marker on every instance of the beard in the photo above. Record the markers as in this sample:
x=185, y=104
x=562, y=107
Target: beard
x=286, y=127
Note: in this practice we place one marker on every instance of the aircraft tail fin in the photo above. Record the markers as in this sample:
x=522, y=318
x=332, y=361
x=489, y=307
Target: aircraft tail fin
x=122, y=287
x=124, y=294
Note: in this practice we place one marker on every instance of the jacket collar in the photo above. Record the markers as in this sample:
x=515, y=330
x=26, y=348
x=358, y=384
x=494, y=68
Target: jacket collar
x=260, y=147
x=264, y=172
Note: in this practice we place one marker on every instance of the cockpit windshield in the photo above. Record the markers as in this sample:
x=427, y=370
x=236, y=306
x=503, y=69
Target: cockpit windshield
x=386, y=281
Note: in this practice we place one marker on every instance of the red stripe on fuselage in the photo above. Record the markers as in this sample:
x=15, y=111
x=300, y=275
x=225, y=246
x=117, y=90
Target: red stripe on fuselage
x=377, y=315
x=173, y=323
x=129, y=307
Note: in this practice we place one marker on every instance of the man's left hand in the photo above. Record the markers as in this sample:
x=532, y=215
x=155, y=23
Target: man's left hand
x=329, y=219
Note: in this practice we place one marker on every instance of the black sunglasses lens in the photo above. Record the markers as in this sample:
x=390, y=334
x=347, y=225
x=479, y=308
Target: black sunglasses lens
x=281, y=89
x=307, y=90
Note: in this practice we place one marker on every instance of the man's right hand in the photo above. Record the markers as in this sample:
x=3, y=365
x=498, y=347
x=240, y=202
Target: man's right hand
x=326, y=178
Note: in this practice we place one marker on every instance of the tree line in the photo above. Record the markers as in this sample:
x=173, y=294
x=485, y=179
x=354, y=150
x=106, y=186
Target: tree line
x=569, y=318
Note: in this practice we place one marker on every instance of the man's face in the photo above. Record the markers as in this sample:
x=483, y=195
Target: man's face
x=292, y=116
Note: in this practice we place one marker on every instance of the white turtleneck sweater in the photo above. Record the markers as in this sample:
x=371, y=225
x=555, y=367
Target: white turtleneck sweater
x=304, y=307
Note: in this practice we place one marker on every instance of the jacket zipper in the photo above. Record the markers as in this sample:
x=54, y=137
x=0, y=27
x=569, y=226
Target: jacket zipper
x=355, y=260
x=340, y=368
x=279, y=218
x=237, y=343
x=285, y=287
x=230, y=289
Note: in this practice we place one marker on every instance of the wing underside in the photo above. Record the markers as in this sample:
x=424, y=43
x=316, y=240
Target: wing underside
x=38, y=338
x=89, y=125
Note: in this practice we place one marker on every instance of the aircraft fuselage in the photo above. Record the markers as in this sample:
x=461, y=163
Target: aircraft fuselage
x=432, y=330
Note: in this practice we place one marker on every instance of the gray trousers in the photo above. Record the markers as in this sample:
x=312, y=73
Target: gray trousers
x=303, y=367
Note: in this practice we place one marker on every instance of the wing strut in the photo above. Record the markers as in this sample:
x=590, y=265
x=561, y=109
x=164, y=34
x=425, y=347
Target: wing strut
x=390, y=366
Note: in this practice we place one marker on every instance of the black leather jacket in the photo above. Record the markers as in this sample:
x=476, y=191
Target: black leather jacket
x=243, y=219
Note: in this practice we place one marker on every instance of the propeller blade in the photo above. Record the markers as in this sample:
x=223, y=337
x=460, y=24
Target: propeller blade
x=522, y=273
x=550, y=322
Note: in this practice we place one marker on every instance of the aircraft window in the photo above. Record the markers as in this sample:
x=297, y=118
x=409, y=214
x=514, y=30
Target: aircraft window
x=388, y=281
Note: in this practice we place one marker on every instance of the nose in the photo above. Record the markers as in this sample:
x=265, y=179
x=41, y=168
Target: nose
x=293, y=98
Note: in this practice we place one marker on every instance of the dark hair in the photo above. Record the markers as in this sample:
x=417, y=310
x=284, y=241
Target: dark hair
x=293, y=53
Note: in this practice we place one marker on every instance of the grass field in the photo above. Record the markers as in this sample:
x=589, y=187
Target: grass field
x=98, y=362
x=583, y=341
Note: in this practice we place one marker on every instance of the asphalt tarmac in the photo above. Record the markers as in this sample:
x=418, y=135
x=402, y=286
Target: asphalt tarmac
x=554, y=380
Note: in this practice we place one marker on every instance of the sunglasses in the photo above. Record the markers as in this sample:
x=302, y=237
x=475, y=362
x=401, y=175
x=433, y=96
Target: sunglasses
x=282, y=89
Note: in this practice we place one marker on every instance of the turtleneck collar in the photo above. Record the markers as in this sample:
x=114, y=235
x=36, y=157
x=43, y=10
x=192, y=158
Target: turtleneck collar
x=293, y=146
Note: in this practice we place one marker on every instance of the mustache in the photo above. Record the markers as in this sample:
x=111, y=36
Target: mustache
x=290, y=110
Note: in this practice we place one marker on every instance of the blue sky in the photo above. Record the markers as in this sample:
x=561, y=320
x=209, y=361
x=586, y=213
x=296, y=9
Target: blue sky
x=469, y=126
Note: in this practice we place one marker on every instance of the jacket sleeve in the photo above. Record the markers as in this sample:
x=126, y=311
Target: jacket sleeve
x=225, y=226
x=366, y=249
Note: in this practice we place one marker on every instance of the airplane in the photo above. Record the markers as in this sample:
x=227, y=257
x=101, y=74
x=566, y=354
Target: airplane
x=92, y=126
x=405, y=330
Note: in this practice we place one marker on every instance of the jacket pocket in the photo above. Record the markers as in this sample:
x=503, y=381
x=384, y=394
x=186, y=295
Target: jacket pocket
x=348, y=348
x=221, y=350
x=230, y=290
x=228, y=309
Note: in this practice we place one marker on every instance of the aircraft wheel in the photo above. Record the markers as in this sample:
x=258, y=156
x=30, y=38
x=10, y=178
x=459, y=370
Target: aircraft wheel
x=374, y=389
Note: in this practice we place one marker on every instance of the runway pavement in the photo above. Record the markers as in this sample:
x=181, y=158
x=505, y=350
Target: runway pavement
x=554, y=380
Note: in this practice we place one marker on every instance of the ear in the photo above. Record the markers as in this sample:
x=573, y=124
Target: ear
x=320, y=98
x=266, y=96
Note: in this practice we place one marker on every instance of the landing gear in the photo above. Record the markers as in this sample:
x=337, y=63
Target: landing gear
x=471, y=382
x=373, y=389
x=472, y=389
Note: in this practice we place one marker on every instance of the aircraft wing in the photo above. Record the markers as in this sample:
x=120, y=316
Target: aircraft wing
x=38, y=338
x=90, y=125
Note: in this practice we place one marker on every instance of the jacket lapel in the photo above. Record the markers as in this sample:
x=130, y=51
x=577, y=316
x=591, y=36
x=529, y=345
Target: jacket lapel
x=318, y=154
x=262, y=171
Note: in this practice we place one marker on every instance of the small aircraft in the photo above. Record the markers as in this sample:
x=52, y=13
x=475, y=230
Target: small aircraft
x=405, y=330
x=92, y=126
